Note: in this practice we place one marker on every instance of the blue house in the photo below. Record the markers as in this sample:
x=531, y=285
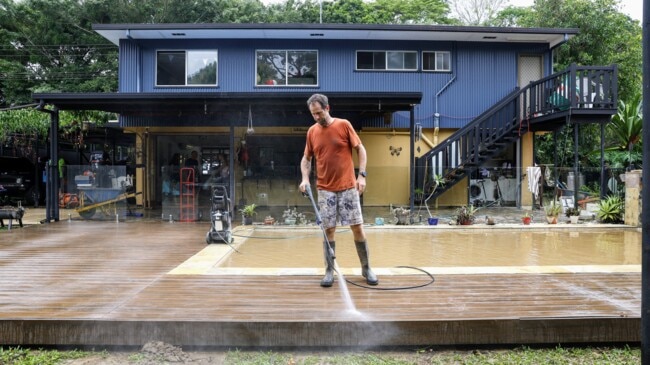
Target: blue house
x=428, y=101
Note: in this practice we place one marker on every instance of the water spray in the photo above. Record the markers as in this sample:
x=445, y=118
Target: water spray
x=330, y=257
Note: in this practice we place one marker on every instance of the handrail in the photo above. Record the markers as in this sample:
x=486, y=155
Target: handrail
x=576, y=88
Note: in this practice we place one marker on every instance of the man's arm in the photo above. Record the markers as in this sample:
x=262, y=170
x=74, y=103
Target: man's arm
x=305, y=169
x=363, y=159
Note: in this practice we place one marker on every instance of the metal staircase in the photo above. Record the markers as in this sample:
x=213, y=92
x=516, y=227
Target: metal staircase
x=578, y=94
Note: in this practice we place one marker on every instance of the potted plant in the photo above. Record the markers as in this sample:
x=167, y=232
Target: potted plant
x=552, y=210
x=438, y=180
x=526, y=218
x=247, y=213
x=418, y=195
x=269, y=220
x=403, y=215
x=573, y=214
x=292, y=217
x=466, y=215
x=611, y=209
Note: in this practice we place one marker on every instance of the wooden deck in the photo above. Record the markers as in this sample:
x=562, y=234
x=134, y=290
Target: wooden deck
x=109, y=284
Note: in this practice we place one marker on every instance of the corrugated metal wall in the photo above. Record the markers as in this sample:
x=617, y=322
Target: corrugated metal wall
x=129, y=67
x=482, y=74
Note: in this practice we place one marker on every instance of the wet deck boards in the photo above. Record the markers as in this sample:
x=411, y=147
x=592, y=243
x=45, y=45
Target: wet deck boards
x=101, y=283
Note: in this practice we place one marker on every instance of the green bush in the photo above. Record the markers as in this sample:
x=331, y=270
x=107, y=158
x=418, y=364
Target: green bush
x=611, y=209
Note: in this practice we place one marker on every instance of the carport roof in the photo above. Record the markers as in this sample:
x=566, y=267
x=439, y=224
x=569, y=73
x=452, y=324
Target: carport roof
x=144, y=104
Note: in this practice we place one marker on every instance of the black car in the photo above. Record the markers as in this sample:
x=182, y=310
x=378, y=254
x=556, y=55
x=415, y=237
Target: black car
x=18, y=181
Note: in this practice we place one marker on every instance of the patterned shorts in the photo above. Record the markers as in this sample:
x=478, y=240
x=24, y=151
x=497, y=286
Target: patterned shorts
x=344, y=205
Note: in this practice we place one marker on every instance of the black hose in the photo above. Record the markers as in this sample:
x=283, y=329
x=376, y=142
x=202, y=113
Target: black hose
x=398, y=287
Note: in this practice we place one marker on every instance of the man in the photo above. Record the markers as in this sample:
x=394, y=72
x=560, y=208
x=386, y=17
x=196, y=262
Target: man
x=331, y=141
x=193, y=162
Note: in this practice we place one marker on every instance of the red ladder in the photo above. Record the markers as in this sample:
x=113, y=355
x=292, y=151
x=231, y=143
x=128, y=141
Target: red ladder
x=187, y=206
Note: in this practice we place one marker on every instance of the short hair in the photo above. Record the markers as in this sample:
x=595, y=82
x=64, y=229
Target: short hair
x=318, y=98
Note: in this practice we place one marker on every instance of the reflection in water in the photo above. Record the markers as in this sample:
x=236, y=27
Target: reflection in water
x=274, y=248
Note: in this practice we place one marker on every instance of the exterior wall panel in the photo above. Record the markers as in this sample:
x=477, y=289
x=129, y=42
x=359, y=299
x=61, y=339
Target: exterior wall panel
x=482, y=73
x=129, y=61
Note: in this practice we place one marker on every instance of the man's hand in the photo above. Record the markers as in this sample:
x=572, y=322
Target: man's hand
x=361, y=184
x=303, y=186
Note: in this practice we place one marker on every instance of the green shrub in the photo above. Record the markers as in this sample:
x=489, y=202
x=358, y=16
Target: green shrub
x=611, y=209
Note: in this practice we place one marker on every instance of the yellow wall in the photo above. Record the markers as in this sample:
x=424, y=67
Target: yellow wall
x=389, y=174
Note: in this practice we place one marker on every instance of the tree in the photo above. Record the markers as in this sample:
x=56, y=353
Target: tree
x=626, y=127
x=294, y=11
x=51, y=47
x=477, y=12
x=408, y=12
x=606, y=36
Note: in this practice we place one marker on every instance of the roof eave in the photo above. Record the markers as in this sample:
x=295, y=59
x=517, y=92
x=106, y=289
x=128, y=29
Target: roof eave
x=117, y=32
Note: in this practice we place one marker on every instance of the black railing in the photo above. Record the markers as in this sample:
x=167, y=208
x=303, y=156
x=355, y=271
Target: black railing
x=576, y=89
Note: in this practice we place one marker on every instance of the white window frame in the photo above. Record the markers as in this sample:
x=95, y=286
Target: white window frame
x=386, y=53
x=260, y=83
x=435, y=55
x=188, y=53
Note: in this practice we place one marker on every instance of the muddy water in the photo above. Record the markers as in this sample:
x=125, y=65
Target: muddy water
x=272, y=248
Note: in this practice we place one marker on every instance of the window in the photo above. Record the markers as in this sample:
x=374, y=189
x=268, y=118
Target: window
x=287, y=68
x=387, y=60
x=436, y=61
x=186, y=68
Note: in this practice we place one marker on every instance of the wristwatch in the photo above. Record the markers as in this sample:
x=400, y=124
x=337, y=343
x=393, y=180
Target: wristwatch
x=363, y=173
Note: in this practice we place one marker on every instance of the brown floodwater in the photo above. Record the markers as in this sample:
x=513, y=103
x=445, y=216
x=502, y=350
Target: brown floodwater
x=301, y=248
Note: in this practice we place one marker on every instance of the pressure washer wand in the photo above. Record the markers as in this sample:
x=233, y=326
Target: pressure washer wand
x=319, y=221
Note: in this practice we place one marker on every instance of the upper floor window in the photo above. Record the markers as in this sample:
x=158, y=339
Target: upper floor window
x=436, y=61
x=387, y=60
x=186, y=68
x=287, y=68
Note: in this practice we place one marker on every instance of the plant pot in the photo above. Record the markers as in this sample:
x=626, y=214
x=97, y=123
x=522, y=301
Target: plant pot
x=551, y=219
x=465, y=222
x=402, y=219
x=526, y=220
x=290, y=221
x=432, y=221
x=574, y=219
x=248, y=221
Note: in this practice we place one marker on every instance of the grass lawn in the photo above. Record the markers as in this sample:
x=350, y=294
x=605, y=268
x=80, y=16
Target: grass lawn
x=168, y=354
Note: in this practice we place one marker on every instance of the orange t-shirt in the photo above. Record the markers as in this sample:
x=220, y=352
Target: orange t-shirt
x=332, y=147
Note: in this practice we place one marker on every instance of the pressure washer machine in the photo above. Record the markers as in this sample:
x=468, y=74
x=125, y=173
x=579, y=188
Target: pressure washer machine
x=220, y=216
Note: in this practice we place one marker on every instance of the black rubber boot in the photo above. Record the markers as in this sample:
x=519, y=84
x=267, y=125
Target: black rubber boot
x=366, y=271
x=328, y=280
